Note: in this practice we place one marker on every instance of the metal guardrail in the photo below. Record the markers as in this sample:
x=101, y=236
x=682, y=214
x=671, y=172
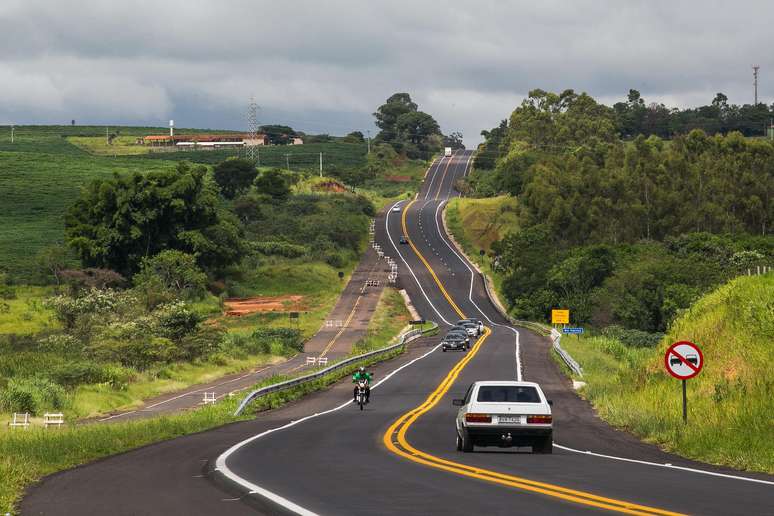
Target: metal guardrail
x=275, y=387
x=571, y=363
x=540, y=329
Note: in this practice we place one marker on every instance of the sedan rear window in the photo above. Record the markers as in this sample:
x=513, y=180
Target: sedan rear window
x=507, y=393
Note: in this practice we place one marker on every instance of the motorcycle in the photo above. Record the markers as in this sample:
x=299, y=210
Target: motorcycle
x=361, y=393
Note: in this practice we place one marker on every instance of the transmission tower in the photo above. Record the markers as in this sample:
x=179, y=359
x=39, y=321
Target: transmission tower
x=755, y=82
x=251, y=148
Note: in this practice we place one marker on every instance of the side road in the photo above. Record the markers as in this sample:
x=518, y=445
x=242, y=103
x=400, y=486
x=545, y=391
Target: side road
x=345, y=325
x=174, y=476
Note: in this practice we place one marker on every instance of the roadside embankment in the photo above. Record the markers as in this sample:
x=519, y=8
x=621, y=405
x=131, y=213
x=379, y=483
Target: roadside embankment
x=730, y=402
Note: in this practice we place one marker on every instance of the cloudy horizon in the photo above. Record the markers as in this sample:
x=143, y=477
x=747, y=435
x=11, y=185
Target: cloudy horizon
x=325, y=67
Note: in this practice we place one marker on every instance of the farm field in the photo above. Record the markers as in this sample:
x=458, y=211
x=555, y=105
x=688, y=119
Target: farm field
x=36, y=189
x=42, y=172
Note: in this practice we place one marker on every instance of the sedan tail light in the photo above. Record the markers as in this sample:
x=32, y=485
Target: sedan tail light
x=478, y=418
x=539, y=420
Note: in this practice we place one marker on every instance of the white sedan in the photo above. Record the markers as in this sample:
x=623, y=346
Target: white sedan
x=396, y=208
x=504, y=414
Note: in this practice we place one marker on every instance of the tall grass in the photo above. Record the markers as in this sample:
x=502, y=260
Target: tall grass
x=730, y=402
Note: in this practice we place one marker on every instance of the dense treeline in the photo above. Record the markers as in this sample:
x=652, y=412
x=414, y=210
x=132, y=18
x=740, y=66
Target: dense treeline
x=622, y=232
x=635, y=117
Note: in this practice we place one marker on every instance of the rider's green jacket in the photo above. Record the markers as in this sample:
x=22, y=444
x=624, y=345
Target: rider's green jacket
x=359, y=376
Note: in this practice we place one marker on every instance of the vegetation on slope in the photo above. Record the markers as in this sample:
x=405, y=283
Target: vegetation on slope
x=730, y=402
x=625, y=233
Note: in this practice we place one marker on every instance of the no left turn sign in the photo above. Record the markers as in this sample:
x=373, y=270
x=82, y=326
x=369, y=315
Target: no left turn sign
x=683, y=360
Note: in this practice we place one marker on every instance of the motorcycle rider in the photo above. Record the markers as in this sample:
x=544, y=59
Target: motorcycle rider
x=361, y=374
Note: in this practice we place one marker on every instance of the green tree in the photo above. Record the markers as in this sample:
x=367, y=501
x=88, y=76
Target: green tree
x=274, y=182
x=170, y=275
x=117, y=222
x=355, y=137
x=278, y=134
x=388, y=113
x=234, y=176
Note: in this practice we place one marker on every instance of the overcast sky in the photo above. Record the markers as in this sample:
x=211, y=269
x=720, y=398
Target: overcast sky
x=324, y=66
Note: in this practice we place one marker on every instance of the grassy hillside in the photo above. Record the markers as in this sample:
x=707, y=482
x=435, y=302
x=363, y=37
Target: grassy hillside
x=479, y=222
x=730, y=402
x=476, y=224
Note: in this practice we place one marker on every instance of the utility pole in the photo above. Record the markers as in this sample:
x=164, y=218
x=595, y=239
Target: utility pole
x=755, y=82
x=321, y=164
x=107, y=137
x=369, y=141
x=11, y=133
x=287, y=161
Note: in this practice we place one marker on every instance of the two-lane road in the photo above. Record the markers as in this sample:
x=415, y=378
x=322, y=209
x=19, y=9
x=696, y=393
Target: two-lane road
x=348, y=469
x=324, y=456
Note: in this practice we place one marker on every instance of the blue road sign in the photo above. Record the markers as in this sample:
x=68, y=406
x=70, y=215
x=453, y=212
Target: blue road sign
x=572, y=330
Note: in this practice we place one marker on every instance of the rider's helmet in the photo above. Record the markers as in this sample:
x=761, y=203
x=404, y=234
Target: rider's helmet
x=362, y=369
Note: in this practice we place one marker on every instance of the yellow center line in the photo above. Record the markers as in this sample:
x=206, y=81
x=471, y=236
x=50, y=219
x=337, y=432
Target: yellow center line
x=422, y=258
x=344, y=327
x=349, y=318
x=399, y=428
x=442, y=178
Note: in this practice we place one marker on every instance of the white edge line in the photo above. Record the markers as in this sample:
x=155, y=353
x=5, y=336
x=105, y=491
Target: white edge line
x=470, y=291
x=387, y=230
x=222, y=467
x=432, y=179
x=668, y=466
x=519, y=377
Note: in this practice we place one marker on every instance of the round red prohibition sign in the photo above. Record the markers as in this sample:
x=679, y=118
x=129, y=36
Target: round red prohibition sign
x=683, y=360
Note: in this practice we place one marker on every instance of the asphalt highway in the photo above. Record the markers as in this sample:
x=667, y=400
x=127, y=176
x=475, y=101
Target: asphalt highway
x=322, y=455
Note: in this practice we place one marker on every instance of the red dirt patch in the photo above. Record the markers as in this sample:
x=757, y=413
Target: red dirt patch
x=330, y=186
x=239, y=307
x=398, y=179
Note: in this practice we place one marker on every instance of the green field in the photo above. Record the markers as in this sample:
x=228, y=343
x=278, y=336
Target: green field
x=42, y=172
x=36, y=189
x=730, y=402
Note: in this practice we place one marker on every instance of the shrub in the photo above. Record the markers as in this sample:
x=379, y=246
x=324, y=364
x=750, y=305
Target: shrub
x=285, y=249
x=289, y=338
x=139, y=353
x=633, y=338
x=169, y=275
x=175, y=320
x=95, y=302
x=60, y=343
x=71, y=374
x=205, y=341
x=32, y=395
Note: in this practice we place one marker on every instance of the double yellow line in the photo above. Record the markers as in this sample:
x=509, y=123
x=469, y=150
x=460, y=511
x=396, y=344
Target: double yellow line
x=395, y=436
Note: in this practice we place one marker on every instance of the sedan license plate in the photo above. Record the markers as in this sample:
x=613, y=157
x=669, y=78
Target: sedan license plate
x=513, y=420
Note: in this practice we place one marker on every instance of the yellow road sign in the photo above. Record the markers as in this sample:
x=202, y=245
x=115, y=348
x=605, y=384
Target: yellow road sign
x=560, y=317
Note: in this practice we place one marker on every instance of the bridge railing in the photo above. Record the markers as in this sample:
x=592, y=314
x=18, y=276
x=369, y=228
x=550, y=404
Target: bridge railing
x=287, y=384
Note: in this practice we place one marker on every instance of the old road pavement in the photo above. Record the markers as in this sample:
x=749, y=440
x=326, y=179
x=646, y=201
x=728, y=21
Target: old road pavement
x=322, y=455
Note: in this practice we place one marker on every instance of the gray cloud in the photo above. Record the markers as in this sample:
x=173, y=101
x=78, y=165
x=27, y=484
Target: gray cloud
x=325, y=66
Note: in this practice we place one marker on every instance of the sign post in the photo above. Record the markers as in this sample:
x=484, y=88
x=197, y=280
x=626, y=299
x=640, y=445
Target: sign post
x=684, y=360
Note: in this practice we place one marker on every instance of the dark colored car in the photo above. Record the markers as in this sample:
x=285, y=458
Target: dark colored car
x=454, y=342
x=403, y=239
x=462, y=334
